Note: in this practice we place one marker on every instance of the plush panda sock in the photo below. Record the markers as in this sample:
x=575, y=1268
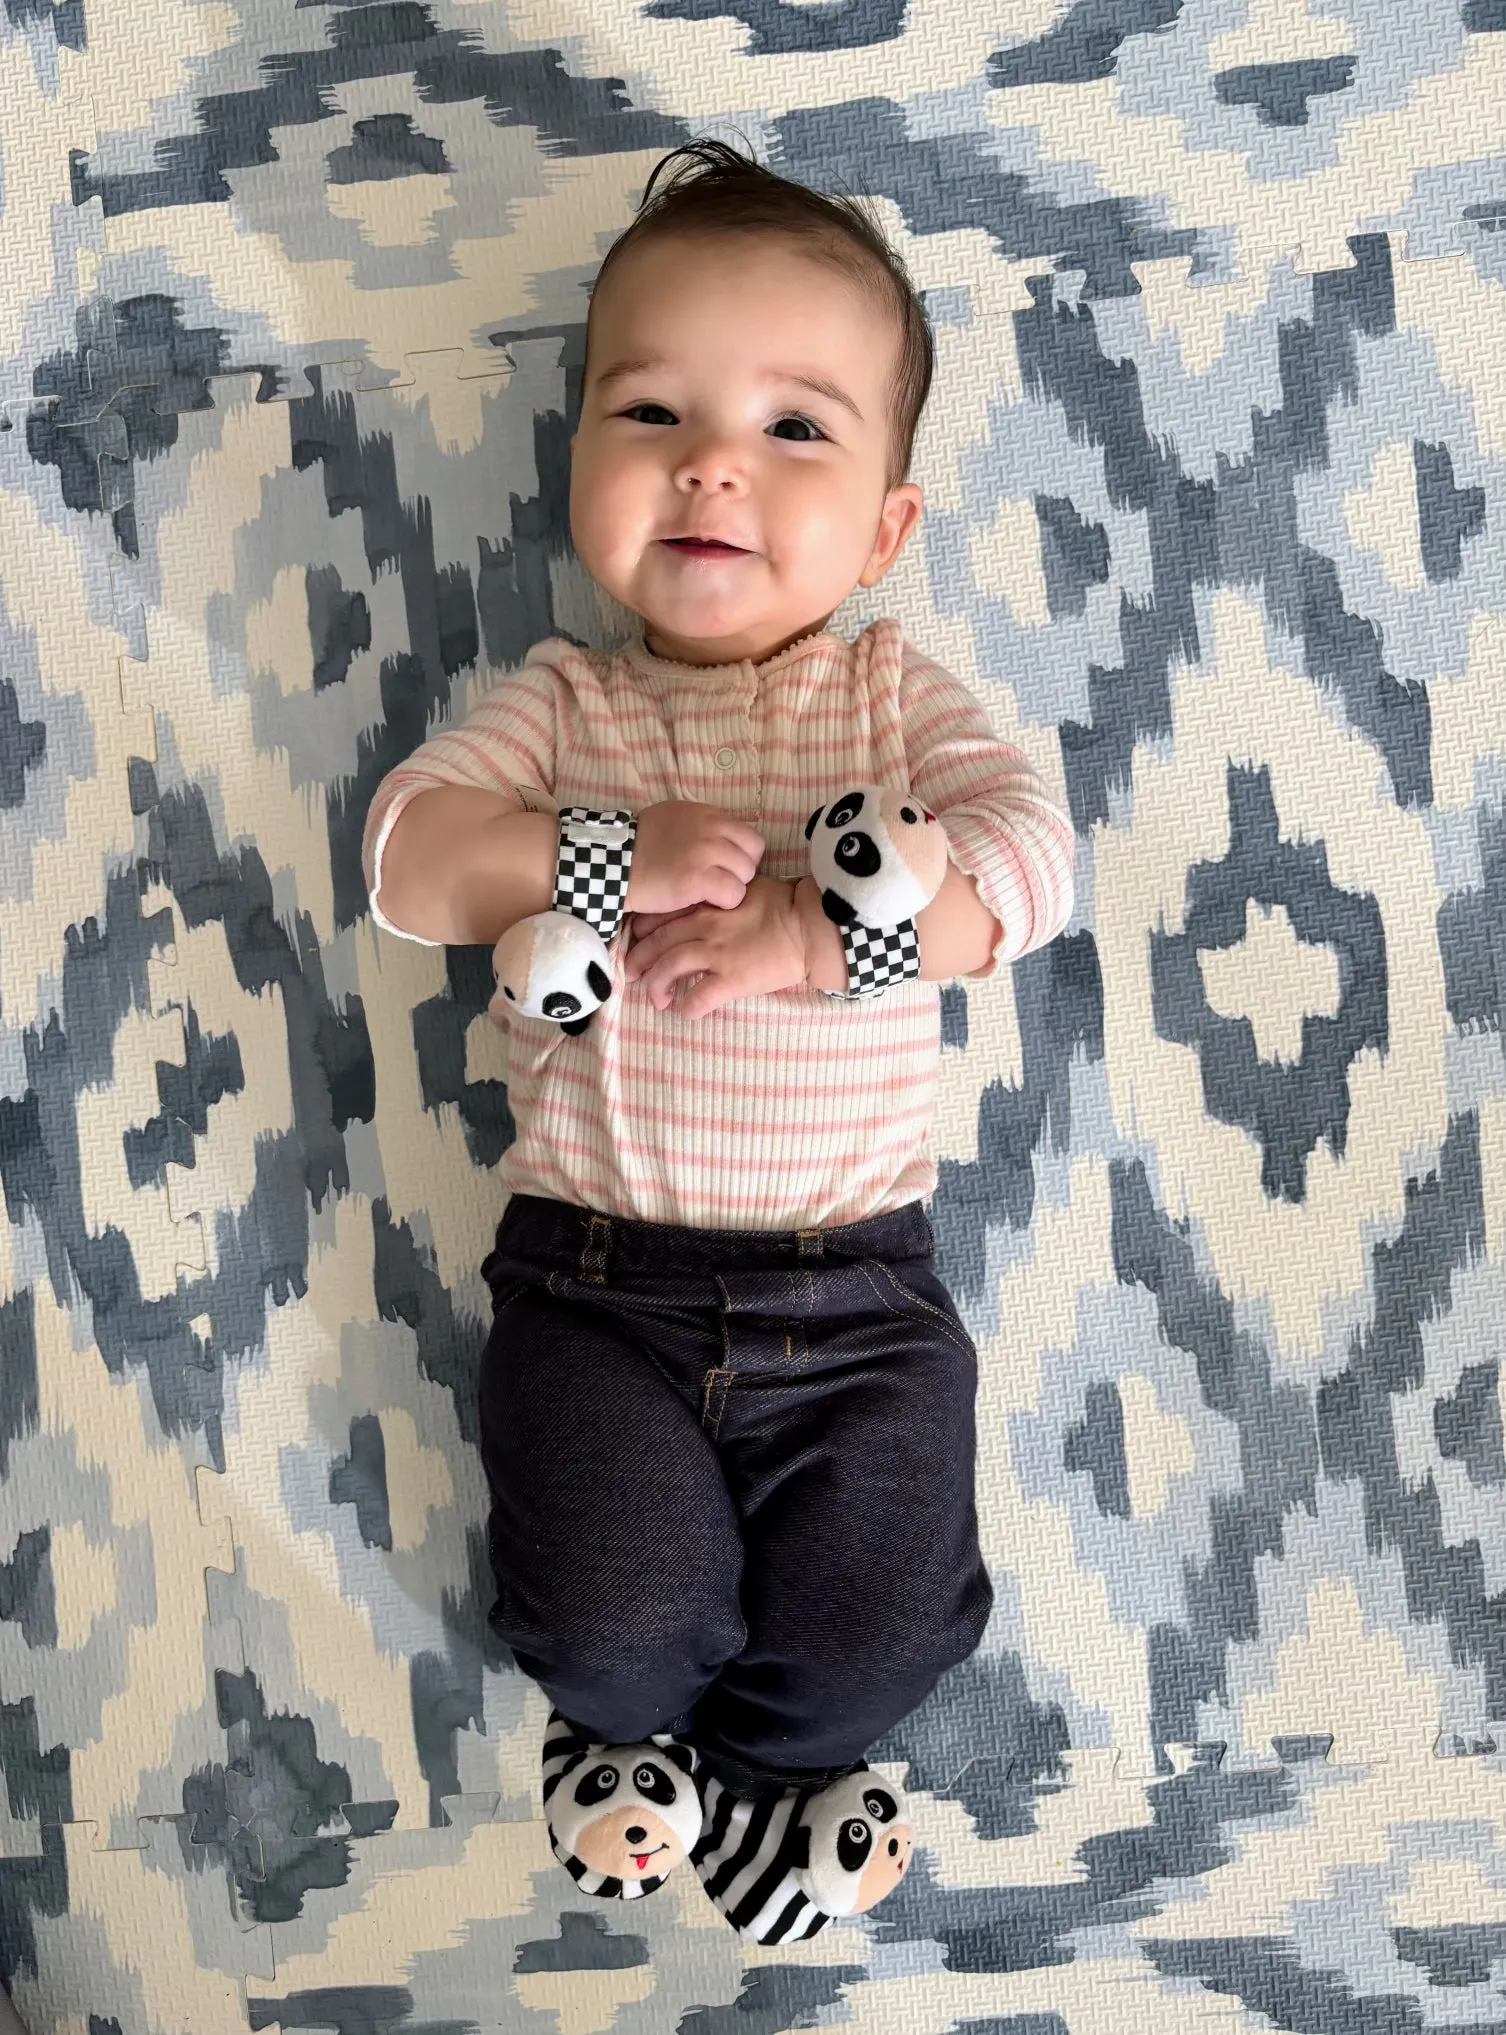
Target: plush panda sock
x=780, y=1867
x=620, y=1817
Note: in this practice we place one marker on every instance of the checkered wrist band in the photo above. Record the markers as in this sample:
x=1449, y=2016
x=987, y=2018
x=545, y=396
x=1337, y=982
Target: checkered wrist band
x=878, y=957
x=591, y=876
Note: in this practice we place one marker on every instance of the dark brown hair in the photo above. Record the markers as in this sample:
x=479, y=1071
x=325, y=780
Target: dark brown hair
x=710, y=189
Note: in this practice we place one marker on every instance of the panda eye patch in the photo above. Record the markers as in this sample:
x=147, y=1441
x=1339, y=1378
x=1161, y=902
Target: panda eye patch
x=654, y=1786
x=596, y=1785
x=854, y=1843
x=879, y=1806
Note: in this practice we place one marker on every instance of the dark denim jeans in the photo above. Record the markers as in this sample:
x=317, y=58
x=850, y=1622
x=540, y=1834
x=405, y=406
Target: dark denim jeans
x=732, y=1481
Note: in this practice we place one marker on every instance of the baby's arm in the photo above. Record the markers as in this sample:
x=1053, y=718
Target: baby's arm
x=454, y=852
x=461, y=865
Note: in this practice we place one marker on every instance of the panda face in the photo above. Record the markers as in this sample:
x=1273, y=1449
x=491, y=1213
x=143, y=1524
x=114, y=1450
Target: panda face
x=860, y=1846
x=553, y=966
x=878, y=856
x=628, y=1812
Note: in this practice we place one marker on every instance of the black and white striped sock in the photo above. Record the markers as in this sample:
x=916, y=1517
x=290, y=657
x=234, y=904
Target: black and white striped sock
x=781, y=1867
x=746, y=1857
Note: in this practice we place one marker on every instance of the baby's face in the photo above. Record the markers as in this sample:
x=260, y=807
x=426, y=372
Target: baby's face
x=713, y=437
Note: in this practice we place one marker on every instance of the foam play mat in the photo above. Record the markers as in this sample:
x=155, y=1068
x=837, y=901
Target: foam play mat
x=291, y=333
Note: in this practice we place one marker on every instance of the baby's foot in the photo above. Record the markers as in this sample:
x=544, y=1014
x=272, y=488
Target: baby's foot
x=619, y=1816
x=780, y=1868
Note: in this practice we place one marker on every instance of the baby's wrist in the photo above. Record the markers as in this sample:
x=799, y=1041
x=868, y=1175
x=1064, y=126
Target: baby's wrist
x=825, y=957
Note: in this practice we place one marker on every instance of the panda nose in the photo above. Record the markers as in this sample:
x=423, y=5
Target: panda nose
x=894, y=1847
x=636, y=1835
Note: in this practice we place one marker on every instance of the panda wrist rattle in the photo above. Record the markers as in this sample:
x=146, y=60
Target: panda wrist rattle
x=555, y=964
x=877, y=855
x=878, y=858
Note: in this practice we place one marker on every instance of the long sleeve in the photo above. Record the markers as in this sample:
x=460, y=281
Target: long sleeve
x=506, y=744
x=1002, y=828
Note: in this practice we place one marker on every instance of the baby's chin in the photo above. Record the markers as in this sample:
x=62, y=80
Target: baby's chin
x=722, y=611
x=703, y=607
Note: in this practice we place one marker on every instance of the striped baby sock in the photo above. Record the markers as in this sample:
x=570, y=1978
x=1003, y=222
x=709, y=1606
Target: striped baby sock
x=620, y=1817
x=781, y=1867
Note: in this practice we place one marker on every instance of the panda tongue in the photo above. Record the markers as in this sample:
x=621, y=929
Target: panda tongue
x=641, y=1859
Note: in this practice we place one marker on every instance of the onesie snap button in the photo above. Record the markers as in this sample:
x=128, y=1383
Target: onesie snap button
x=725, y=758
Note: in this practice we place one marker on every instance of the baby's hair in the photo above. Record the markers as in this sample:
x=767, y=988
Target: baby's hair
x=711, y=189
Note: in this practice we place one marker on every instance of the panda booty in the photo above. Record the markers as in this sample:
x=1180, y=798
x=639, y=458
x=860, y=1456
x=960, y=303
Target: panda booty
x=620, y=1817
x=781, y=1867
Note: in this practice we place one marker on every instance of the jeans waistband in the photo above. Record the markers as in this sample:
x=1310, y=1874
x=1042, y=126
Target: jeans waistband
x=594, y=1248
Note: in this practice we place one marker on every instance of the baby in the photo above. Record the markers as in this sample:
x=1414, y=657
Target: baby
x=726, y=1404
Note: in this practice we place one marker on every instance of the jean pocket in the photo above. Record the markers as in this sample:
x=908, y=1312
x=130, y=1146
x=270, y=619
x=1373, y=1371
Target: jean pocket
x=505, y=1293
x=919, y=1308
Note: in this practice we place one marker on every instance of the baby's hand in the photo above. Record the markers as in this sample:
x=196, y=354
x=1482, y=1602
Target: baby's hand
x=693, y=853
x=750, y=949
x=644, y=923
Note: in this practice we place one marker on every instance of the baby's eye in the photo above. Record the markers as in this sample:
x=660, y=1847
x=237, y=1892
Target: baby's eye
x=797, y=419
x=633, y=412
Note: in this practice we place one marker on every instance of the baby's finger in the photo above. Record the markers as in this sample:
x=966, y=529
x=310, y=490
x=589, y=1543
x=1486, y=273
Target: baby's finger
x=656, y=980
x=645, y=953
x=669, y=973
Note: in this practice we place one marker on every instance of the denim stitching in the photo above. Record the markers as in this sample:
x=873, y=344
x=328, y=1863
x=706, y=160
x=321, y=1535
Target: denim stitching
x=713, y=1379
x=723, y=1311
x=624, y=1329
x=943, y=1321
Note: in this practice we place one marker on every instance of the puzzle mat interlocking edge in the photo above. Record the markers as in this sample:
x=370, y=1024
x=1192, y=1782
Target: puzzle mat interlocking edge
x=1213, y=474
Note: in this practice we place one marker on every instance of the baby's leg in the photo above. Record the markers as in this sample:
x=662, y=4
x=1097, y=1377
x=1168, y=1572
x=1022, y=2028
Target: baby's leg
x=863, y=1583
x=863, y=1580
x=613, y=1538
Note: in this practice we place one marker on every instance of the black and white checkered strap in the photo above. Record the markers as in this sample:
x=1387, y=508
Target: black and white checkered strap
x=595, y=857
x=878, y=957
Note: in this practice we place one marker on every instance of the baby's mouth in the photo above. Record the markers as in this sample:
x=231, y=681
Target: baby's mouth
x=703, y=546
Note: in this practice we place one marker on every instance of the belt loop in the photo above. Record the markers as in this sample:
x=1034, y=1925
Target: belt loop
x=593, y=1253
x=811, y=1245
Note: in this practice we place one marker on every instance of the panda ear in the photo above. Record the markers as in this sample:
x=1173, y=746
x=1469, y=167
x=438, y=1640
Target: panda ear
x=810, y=825
x=600, y=981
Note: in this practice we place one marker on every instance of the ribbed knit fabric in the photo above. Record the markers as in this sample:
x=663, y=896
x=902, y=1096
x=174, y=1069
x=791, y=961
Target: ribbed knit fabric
x=789, y=1111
